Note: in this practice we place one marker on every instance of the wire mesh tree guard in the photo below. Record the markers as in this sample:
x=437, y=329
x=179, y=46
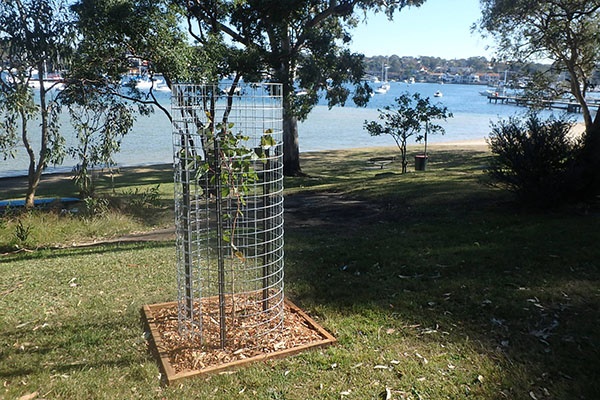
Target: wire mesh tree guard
x=228, y=161
x=228, y=174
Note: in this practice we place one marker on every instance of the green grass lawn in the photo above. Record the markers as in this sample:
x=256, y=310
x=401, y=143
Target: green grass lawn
x=435, y=285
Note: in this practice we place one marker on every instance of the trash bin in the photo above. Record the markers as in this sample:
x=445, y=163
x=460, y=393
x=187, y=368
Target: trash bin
x=420, y=162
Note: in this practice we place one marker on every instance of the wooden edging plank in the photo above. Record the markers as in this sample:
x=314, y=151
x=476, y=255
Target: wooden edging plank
x=156, y=339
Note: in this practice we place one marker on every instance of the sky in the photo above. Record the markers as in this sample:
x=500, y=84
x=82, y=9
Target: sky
x=439, y=28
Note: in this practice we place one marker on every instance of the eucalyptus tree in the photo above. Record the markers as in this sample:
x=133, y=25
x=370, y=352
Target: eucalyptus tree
x=302, y=44
x=115, y=36
x=34, y=35
x=100, y=121
x=568, y=33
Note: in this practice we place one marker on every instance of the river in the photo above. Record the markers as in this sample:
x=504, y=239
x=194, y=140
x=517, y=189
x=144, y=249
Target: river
x=339, y=128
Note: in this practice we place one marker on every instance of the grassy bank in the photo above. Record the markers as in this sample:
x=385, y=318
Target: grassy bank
x=128, y=200
x=435, y=285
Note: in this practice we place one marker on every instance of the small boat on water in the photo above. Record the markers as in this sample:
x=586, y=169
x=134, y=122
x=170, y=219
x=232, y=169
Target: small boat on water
x=50, y=81
x=383, y=89
x=438, y=94
x=144, y=83
x=300, y=92
x=385, y=86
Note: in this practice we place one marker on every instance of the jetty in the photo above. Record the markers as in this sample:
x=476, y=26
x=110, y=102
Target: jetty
x=569, y=106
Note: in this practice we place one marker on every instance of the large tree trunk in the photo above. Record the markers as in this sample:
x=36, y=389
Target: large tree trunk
x=33, y=178
x=35, y=170
x=291, y=149
x=590, y=159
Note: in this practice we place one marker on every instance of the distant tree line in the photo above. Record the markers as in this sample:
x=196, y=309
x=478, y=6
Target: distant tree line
x=405, y=67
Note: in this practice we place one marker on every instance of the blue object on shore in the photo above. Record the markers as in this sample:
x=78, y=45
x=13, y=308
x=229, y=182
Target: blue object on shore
x=38, y=202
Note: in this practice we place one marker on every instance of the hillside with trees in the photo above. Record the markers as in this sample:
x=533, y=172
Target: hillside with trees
x=465, y=70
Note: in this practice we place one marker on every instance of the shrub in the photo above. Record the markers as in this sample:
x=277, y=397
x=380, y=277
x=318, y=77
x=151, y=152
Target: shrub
x=95, y=206
x=534, y=158
x=138, y=200
x=22, y=232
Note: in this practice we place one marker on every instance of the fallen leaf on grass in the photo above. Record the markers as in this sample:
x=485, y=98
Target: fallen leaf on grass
x=29, y=396
x=386, y=394
x=422, y=358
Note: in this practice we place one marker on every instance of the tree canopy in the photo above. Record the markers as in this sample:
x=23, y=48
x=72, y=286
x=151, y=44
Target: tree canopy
x=302, y=44
x=35, y=35
x=565, y=31
x=116, y=35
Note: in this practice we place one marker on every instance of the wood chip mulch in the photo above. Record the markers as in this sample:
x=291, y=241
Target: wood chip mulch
x=244, y=338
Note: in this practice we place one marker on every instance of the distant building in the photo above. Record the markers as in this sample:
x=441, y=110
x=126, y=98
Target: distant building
x=471, y=79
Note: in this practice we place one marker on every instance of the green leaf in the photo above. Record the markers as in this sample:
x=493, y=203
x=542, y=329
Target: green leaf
x=225, y=191
x=226, y=236
x=267, y=141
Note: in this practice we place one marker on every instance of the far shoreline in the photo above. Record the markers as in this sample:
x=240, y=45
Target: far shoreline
x=470, y=143
x=412, y=147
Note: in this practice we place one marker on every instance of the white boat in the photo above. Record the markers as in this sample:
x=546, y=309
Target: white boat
x=385, y=86
x=51, y=81
x=383, y=89
x=143, y=83
x=162, y=87
x=48, y=84
x=438, y=94
x=300, y=92
x=231, y=90
x=499, y=90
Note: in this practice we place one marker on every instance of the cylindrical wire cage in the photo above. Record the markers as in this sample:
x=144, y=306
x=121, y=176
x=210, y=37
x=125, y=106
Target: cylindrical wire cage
x=228, y=162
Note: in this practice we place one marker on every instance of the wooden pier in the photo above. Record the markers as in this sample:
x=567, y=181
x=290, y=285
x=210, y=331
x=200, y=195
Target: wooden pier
x=566, y=105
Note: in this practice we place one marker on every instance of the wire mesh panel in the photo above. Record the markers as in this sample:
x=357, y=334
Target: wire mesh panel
x=228, y=159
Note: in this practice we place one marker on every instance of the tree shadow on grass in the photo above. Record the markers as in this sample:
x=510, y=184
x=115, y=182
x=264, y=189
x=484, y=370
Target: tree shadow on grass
x=73, y=345
x=137, y=176
x=521, y=284
x=112, y=246
x=62, y=184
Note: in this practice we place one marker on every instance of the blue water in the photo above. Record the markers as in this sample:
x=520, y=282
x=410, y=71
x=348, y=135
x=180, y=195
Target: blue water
x=325, y=129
